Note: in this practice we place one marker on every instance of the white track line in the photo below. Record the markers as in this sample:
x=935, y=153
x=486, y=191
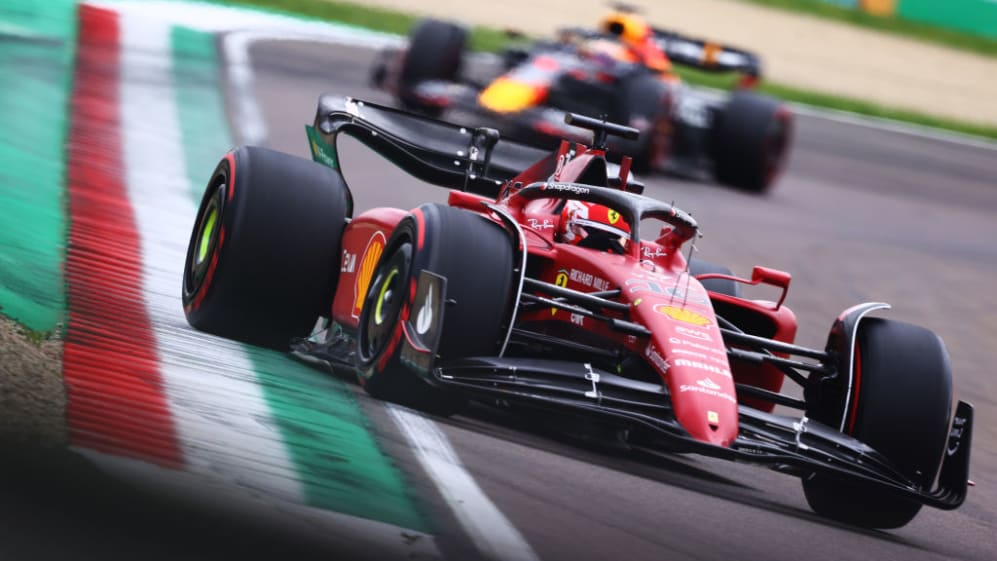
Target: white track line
x=223, y=419
x=488, y=528
x=217, y=439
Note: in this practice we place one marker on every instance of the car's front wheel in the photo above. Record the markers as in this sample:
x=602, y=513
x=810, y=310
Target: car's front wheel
x=900, y=403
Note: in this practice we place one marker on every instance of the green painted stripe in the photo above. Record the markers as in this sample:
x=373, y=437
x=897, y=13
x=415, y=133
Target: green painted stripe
x=327, y=435
x=37, y=65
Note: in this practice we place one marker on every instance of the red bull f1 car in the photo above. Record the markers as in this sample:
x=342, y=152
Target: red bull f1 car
x=623, y=70
x=550, y=284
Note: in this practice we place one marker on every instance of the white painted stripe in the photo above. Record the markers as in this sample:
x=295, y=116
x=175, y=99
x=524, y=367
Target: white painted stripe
x=488, y=528
x=252, y=128
x=222, y=419
x=891, y=125
x=484, y=523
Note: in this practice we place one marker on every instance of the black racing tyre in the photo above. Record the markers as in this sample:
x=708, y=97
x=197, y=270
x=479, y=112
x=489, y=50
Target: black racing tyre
x=723, y=286
x=644, y=102
x=476, y=257
x=435, y=52
x=261, y=262
x=751, y=139
x=901, y=406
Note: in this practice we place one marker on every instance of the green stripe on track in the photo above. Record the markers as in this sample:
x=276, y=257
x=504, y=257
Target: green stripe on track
x=37, y=43
x=340, y=465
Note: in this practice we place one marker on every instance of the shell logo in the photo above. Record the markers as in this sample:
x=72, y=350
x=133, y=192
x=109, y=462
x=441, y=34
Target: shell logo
x=371, y=255
x=683, y=315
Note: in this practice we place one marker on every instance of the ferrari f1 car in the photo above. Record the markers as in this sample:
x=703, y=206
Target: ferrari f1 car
x=622, y=70
x=557, y=287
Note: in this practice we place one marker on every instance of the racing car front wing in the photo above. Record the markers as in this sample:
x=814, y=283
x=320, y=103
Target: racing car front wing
x=796, y=445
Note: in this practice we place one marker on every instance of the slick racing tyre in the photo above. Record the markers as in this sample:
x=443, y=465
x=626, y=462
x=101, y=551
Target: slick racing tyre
x=260, y=264
x=723, y=286
x=901, y=403
x=476, y=258
x=435, y=52
x=751, y=138
x=644, y=102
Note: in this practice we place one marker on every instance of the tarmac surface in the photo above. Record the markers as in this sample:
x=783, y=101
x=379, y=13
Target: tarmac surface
x=860, y=215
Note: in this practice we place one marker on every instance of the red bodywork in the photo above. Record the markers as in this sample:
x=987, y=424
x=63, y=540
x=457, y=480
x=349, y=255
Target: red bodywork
x=686, y=347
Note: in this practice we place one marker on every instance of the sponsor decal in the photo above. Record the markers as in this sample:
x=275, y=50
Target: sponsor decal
x=537, y=224
x=322, y=152
x=687, y=352
x=683, y=315
x=371, y=254
x=566, y=187
x=349, y=262
x=652, y=253
x=691, y=295
x=712, y=417
x=712, y=369
x=693, y=333
x=588, y=279
x=714, y=393
x=708, y=384
x=560, y=280
x=655, y=358
x=578, y=319
x=641, y=285
x=695, y=345
x=955, y=435
x=424, y=320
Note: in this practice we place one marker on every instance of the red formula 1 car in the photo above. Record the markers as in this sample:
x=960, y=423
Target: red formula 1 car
x=622, y=69
x=555, y=286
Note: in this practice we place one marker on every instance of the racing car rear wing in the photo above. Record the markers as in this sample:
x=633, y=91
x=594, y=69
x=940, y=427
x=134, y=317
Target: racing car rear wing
x=441, y=153
x=707, y=55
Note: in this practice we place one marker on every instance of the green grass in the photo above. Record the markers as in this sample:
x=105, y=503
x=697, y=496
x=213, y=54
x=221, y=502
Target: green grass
x=490, y=39
x=893, y=25
x=378, y=19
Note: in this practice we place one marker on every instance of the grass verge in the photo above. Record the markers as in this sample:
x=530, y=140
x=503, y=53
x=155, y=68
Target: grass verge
x=894, y=25
x=490, y=39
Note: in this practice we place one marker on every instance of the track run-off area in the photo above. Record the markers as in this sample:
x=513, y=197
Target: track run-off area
x=159, y=91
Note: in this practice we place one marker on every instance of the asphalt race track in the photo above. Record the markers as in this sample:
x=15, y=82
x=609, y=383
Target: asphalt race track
x=862, y=214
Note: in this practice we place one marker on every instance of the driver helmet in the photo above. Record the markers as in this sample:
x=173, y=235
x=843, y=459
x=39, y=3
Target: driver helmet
x=583, y=223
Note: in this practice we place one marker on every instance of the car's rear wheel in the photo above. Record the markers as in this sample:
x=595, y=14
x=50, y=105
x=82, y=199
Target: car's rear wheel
x=644, y=102
x=476, y=258
x=751, y=139
x=260, y=264
x=900, y=404
x=435, y=52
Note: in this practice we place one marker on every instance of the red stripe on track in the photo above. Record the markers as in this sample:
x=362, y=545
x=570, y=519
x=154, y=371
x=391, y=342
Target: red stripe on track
x=115, y=390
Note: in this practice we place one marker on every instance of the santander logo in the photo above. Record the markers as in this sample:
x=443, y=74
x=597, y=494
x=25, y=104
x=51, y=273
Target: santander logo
x=708, y=384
